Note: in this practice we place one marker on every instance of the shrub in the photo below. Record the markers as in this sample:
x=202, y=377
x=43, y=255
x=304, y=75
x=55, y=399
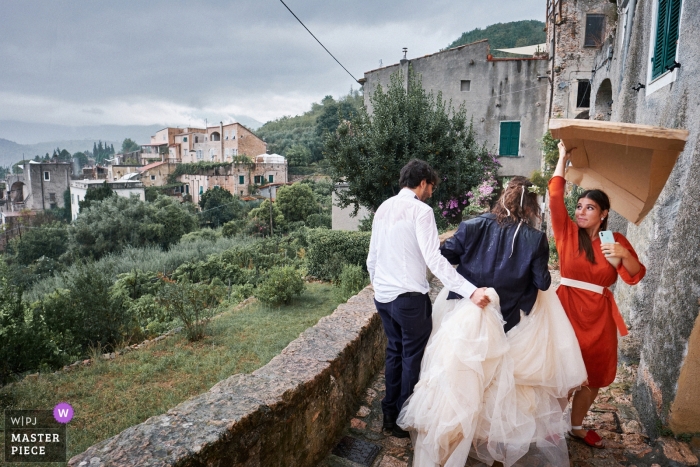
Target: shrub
x=319, y=221
x=232, y=228
x=352, y=279
x=26, y=343
x=330, y=250
x=190, y=303
x=280, y=286
x=208, y=235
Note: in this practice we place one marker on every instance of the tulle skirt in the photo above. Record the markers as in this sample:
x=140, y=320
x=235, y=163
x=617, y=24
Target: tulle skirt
x=494, y=396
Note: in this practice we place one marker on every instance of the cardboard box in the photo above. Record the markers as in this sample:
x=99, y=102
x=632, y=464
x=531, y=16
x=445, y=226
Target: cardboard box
x=629, y=162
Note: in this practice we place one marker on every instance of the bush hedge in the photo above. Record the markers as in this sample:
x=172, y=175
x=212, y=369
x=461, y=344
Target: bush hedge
x=330, y=250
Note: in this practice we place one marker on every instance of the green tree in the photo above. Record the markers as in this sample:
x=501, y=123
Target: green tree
x=369, y=152
x=49, y=240
x=115, y=222
x=219, y=206
x=298, y=155
x=129, y=145
x=296, y=202
x=259, y=219
x=104, y=191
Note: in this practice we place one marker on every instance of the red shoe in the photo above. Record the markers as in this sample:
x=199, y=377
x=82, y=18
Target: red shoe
x=592, y=438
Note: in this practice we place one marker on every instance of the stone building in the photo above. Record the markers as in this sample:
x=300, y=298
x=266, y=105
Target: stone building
x=505, y=96
x=240, y=179
x=39, y=187
x=576, y=33
x=214, y=144
x=646, y=70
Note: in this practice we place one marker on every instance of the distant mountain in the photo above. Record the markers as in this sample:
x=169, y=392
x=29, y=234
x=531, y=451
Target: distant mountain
x=11, y=152
x=505, y=36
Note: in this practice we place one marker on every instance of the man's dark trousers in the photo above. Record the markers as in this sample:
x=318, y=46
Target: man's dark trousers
x=407, y=323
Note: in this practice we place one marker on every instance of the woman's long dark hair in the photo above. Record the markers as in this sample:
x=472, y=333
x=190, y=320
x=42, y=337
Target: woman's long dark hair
x=510, y=201
x=584, y=241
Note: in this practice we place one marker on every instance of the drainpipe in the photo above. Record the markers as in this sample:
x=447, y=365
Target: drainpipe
x=221, y=139
x=551, y=71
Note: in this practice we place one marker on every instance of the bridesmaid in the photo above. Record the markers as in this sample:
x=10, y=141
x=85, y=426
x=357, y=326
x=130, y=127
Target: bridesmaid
x=587, y=271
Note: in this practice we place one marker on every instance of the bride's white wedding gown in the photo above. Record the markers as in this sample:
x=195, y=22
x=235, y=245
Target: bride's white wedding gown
x=499, y=397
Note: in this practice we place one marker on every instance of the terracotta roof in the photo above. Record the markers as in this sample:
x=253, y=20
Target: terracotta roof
x=150, y=166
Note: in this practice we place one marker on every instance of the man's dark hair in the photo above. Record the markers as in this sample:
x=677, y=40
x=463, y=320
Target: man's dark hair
x=415, y=172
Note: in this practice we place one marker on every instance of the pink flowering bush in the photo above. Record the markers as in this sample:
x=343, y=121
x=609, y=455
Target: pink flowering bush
x=481, y=196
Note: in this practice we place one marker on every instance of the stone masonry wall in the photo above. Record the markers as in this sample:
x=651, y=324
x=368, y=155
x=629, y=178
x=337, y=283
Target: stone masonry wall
x=663, y=308
x=287, y=413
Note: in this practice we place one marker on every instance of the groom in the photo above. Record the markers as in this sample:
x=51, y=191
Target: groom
x=404, y=241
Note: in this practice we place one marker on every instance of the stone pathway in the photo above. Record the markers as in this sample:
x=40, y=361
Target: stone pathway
x=613, y=416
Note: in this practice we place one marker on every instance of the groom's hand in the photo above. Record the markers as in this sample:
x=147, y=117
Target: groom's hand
x=479, y=297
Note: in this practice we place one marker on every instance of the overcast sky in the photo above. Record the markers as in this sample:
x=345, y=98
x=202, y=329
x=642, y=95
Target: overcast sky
x=136, y=62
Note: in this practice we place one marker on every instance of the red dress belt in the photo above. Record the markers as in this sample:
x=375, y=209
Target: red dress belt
x=605, y=292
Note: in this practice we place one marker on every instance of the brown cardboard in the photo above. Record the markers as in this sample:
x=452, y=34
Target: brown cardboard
x=630, y=162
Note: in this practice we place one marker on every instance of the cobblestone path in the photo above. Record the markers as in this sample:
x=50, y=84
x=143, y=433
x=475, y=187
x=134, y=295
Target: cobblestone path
x=613, y=416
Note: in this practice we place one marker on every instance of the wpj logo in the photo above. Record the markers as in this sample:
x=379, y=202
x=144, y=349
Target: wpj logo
x=37, y=435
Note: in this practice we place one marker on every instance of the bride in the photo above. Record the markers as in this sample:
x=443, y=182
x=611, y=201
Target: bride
x=494, y=382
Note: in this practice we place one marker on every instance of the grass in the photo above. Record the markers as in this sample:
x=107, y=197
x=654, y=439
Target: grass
x=110, y=396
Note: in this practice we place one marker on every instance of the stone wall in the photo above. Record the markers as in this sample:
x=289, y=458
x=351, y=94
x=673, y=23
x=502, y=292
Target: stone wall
x=289, y=412
x=663, y=308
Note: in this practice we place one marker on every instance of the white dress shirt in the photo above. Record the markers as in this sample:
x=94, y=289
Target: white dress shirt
x=404, y=241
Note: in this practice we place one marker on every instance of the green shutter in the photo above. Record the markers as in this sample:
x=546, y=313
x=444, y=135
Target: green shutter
x=241, y=179
x=509, y=139
x=514, y=138
x=668, y=19
x=270, y=178
x=505, y=138
x=674, y=16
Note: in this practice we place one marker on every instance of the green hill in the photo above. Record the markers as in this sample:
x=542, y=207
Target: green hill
x=505, y=36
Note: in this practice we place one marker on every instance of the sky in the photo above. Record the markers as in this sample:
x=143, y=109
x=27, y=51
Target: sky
x=181, y=63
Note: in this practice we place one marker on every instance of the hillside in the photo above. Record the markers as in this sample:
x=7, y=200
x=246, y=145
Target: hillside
x=505, y=36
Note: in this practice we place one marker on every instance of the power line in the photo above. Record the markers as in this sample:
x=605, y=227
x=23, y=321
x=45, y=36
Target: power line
x=324, y=47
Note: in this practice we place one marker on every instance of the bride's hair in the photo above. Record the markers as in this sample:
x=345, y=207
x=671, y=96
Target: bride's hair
x=516, y=203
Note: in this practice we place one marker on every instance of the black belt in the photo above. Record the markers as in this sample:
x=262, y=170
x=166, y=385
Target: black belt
x=410, y=294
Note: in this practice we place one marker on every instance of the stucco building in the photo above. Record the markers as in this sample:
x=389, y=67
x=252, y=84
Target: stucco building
x=125, y=189
x=506, y=97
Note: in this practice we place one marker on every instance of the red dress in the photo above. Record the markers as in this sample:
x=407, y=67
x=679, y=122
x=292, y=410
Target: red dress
x=590, y=313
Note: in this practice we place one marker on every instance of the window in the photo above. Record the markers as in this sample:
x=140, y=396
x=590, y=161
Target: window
x=52, y=197
x=258, y=179
x=510, y=139
x=196, y=139
x=201, y=190
x=595, y=30
x=187, y=189
x=465, y=85
x=270, y=178
x=153, y=177
x=666, y=40
x=583, y=97
x=241, y=179
x=184, y=139
x=47, y=176
x=199, y=153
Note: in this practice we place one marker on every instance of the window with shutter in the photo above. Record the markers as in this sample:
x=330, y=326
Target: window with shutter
x=667, y=21
x=509, y=141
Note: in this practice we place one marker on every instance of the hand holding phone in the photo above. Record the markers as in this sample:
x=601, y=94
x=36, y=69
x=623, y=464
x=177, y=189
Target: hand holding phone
x=606, y=236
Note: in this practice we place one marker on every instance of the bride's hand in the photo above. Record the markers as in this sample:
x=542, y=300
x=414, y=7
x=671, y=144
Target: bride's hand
x=479, y=297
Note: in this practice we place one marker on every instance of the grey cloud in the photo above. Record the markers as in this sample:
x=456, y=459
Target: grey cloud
x=196, y=54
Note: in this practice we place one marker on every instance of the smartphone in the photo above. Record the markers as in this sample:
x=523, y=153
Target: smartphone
x=606, y=236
